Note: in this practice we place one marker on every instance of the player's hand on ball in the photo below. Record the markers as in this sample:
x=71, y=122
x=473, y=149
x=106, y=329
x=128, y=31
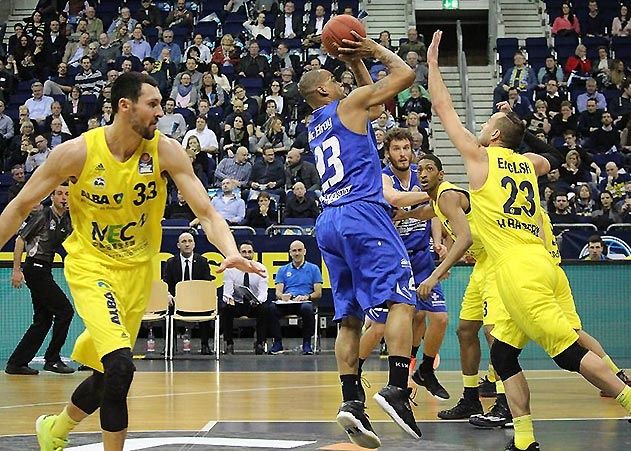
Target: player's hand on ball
x=425, y=288
x=242, y=264
x=432, y=51
x=355, y=50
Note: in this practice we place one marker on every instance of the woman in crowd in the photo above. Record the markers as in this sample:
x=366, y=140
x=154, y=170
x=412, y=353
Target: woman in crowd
x=236, y=136
x=184, y=94
x=274, y=137
x=584, y=205
x=567, y=23
x=220, y=79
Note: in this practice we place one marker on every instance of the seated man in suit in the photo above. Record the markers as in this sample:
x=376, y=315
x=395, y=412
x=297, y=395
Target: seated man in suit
x=187, y=265
x=236, y=304
x=298, y=284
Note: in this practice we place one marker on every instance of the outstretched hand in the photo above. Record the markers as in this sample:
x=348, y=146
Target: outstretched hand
x=356, y=50
x=504, y=107
x=242, y=264
x=432, y=51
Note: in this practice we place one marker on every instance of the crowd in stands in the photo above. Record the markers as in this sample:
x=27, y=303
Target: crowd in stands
x=576, y=95
x=228, y=74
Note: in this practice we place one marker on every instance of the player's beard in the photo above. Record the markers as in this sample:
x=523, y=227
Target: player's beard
x=142, y=130
x=399, y=166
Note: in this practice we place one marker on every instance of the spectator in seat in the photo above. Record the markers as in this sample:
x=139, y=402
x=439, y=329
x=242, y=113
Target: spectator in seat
x=267, y=6
x=519, y=104
x=140, y=48
x=606, y=138
x=179, y=209
x=539, y=120
x=188, y=265
x=172, y=124
x=254, y=64
x=584, y=204
x=251, y=105
x=149, y=16
x=384, y=121
x=268, y=174
x=601, y=67
x=258, y=28
x=234, y=306
x=226, y=53
x=123, y=19
x=591, y=87
x=89, y=81
x=7, y=82
x=236, y=135
x=298, y=170
x=55, y=42
x=282, y=59
x=167, y=42
x=418, y=104
x=614, y=182
x=300, y=205
x=19, y=180
x=419, y=68
x=39, y=105
x=519, y=76
x=207, y=138
x=554, y=182
x=298, y=284
x=313, y=31
x=56, y=136
x=228, y=205
x=413, y=44
x=204, y=50
x=589, y=120
x=288, y=25
x=621, y=24
x=202, y=163
x=550, y=71
x=593, y=24
x=237, y=169
x=262, y=216
x=552, y=97
x=289, y=88
x=274, y=137
x=127, y=55
x=596, y=249
x=567, y=23
x=573, y=171
x=585, y=162
x=562, y=212
x=578, y=67
x=607, y=214
x=6, y=131
x=565, y=120
x=185, y=93
x=220, y=79
x=625, y=208
x=621, y=107
x=180, y=16
x=37, y=155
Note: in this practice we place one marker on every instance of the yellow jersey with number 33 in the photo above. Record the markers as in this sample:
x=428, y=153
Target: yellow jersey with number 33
x=477, y=249
x=507, y=210
x=116, y=207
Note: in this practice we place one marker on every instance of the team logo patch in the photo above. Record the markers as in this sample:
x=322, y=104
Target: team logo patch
x=102, y=284
x=145, y=164
x=53, y=225
x=118, y=198
x=99, y=167
x=289, y=273
x=99, y=182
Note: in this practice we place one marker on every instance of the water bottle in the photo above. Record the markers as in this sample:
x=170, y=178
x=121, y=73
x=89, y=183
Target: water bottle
x=151, y=342
x=186, y=343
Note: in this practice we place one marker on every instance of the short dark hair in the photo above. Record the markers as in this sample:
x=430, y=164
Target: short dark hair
x=433, y=158
x=559, y=194
x=85, y=57
x=596, y=239
x=248, y=242
x=396, y=134
x=264, y=195
x=128, y=86
x=511, y=129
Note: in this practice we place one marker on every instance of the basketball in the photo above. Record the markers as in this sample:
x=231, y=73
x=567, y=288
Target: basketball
x=338, y=28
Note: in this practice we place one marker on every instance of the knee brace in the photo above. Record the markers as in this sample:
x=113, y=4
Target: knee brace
x=89, y=394
x=119, y=373
x=570, y=359
x=505, y=359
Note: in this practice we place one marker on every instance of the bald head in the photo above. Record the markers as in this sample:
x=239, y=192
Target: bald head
x=309, y=83
x=186, y=244
x=293, y=157
x=297, y=252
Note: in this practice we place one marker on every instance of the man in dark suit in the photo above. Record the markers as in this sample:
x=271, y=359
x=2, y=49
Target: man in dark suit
x=56, y=136
x=288, y=25
x=282, y=59
x=187, y=265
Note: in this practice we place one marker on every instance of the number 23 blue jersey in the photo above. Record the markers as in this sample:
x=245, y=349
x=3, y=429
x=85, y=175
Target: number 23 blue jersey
x=347, y=162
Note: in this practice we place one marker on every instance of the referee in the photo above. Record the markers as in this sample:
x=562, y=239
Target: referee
x=40, y=235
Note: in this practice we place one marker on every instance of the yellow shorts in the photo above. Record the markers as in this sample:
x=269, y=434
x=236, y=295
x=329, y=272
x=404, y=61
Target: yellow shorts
x=481, y=300
x=527, y=282
x=563, y=295
x=111, y=302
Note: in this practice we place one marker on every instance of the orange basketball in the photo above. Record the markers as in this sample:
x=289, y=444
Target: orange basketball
x=338, y=28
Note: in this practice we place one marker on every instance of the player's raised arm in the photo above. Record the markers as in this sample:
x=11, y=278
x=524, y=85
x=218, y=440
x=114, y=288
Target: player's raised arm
x=174, y=160
x=451, y=204
x=65, y=162
x=465, y=142
x=363, y=78
x=400, y=75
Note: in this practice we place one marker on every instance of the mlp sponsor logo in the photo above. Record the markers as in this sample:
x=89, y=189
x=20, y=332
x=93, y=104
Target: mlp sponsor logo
x=145, y=164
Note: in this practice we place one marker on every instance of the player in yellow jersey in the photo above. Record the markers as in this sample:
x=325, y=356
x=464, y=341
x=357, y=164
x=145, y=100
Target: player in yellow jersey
x=504, y=193
x=117, y=199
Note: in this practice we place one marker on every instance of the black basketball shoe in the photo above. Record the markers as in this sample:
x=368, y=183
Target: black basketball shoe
x=464, y=409
x=395, y=401
x=499, y=416
x=486, y=388
x=355, y=423
x=430, y=382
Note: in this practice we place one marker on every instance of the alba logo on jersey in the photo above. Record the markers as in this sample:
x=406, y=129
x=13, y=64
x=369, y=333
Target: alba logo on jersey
x=101, y=199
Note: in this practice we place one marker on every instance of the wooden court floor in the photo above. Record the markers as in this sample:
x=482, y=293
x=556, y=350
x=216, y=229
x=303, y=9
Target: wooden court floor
x=195, y=401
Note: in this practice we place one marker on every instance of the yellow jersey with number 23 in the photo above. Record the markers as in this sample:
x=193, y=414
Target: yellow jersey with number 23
x=116, y=207
x=507, y=210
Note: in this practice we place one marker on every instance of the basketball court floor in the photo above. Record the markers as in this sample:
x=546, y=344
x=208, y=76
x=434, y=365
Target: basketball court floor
x=290, y=402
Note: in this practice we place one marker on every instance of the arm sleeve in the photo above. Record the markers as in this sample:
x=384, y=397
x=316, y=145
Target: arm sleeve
x=544, y=149
x=32, y=227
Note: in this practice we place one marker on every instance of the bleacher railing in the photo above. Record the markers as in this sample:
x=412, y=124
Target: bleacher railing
x=496, y=26
x=464, y=81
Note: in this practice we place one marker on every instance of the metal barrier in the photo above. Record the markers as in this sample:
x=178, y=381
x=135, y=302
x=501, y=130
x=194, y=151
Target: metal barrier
x=464, y=81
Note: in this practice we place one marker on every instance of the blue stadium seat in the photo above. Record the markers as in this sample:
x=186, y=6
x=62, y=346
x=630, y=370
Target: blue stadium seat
x=622, y=48
x=253, y=85
x=90, y=102
x=266, y=45
x=564, y=47
x=212, y=6
x=233, y=28
x=207, y=29
x=19, y=98
x=592, y=43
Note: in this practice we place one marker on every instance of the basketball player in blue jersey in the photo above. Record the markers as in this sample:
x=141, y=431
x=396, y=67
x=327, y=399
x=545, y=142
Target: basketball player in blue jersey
x=400, y=179
x=366, y=259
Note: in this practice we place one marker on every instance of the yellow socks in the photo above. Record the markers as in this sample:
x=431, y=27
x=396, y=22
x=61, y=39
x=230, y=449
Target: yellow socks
x=624, y=398
x=63, y=425
x=610, y=364
x=524, y=432
x=492, y=377
x=470, y=381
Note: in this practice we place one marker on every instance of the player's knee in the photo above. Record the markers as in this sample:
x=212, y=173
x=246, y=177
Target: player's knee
x=467, y=332
x=119, y=373
x=505, y=359
x=440, y=319
x=89, y=394
x=570, y=359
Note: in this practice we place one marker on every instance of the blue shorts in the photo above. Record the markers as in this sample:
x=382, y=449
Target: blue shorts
x=367, y=262
x=422, y=267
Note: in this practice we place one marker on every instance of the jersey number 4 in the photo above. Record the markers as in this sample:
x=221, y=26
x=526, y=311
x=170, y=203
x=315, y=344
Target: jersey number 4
x=529, y=193
x=330, y=147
